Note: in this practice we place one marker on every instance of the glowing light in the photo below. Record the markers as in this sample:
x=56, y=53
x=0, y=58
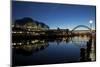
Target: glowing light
x=91, y=21
x=20, y=32
x=20, y=43
x=14, y=43
x=14, y=32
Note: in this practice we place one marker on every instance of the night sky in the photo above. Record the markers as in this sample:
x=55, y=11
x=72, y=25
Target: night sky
x=55, y=15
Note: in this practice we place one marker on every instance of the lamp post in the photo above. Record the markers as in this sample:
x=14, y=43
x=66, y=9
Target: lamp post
x=91, y=21
x=92, y=45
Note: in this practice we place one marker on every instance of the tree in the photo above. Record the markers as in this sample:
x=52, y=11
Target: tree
x=58, y=29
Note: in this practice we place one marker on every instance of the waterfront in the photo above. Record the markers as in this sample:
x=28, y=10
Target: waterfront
x=50, y=51
x=52, y=33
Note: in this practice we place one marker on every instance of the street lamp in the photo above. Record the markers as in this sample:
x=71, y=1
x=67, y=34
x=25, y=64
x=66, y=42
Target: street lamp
x=91, y=21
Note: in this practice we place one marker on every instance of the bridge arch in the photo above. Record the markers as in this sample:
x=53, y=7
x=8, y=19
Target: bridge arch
x=81, y=26
x=82, y=42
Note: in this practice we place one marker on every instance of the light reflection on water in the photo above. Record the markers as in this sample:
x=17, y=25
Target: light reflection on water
x=47, y=51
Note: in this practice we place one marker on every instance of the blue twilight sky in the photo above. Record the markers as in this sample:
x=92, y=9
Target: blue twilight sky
x=55, y=15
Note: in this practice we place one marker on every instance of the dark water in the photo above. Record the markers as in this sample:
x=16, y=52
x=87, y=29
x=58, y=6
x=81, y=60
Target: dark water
x=49, y=51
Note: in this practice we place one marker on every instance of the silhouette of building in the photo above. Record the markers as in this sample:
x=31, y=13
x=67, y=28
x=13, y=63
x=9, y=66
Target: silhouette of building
x=28, y=24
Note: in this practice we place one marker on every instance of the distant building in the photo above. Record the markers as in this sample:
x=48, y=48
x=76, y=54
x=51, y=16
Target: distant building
x=29, y=24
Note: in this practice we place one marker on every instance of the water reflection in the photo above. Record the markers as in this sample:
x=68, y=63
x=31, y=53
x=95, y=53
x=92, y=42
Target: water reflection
x=53, y=50
x=88, y=53
x=27, y=47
